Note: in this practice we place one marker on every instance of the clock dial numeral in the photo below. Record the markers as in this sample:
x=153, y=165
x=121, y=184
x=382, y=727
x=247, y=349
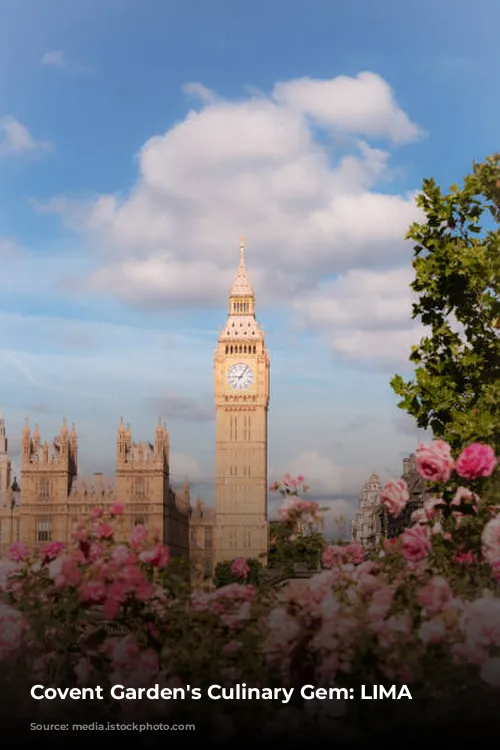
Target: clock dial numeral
x=240, y=377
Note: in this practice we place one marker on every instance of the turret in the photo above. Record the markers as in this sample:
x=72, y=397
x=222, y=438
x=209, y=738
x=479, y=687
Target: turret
x=4, y=443
x=36, y=439
x=5, y=464
x=73, y=449
x=121, y=443
x=26, y=444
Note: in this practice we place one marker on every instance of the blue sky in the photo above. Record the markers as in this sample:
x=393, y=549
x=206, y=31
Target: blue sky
x=138, y=138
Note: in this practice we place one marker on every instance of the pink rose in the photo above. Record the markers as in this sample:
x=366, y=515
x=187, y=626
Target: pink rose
x=18, y=552
x=122, y=650
x=415, y=544
x=123, y=556
x=465, y=558
x=80, y=533
x=7, y=569
x=381, y=603
x=70, y=574
x=434, y=462
x=475, y=461
x=433, y=631
x=240, y=568
x=158, y=557
x=95, y=552
x=332, y=556
x=353, y=553
x=138, y=536
x=490, y=541
x=104, y=531
x=435, y=595
x=93, y=592
x=117, y=509
x=395, y=496
x=391, y=545
x=51, y=551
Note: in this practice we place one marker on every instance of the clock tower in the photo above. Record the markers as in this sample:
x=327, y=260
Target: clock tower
x=241, y=389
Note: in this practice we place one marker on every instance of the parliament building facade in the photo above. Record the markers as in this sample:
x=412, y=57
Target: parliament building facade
x=50, y=498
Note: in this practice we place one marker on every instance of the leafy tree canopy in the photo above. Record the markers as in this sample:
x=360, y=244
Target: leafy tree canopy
x=456, y=389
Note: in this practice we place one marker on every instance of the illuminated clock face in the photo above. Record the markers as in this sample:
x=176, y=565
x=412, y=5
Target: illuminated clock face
x=240, y=377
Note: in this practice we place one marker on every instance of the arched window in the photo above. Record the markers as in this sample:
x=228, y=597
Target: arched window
x=231, y=350
x=255, y=349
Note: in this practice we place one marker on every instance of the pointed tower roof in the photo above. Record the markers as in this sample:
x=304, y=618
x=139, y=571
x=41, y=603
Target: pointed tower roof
x=3, y=436
x=241, y=286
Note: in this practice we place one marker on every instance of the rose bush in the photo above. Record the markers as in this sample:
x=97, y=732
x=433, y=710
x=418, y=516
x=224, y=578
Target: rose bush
x=296, y=537
x=421, y=611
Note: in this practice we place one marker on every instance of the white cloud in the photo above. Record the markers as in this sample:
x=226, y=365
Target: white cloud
x=58, y=59
x=55, y=59
x=363, y=105
x=309, y=204
x=390, y=348
x=200, y=92
x=323, y=476
x=183, y=465
x=338, y=517
x=16, y=139
x=365, y=315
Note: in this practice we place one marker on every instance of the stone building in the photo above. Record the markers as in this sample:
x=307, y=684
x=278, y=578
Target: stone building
x=51, y=498
x=202, y=542
x=372, y=522
x=393, y=527
x=366, y=526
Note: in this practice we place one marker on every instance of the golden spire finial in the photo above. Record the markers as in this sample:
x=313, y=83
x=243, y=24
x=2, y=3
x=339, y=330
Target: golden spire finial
x=241, y=286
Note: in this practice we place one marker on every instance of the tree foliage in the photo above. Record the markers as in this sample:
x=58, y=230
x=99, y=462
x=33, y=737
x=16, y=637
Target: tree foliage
x=288, y=547
x=456, y=389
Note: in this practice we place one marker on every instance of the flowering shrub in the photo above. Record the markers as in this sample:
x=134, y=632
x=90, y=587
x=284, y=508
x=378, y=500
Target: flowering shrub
x=240, y=570
x=297, y=537
x=421, y=611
